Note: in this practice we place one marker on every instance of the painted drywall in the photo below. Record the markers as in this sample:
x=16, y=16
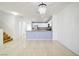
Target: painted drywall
x=18, y=30
x=29, y=25
x=66, y=27
x=1, y=37
x=10, y=24
x=7, y=23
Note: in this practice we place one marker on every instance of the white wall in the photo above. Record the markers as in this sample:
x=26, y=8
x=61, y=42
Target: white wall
x=66, y=27
x=7, y=23
x=1, y=37
x=21, y=27
x=10, y=24
x=29, y=25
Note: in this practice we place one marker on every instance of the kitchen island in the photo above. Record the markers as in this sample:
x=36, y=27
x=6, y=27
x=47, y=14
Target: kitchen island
x=39, y=35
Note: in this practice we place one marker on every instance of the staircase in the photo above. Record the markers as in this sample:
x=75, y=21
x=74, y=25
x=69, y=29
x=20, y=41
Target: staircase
x=6, y=38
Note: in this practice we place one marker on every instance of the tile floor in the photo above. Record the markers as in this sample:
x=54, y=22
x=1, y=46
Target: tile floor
x=34, y=48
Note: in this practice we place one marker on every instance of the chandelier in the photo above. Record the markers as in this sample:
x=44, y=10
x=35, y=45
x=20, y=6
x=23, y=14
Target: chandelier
x=42, y=8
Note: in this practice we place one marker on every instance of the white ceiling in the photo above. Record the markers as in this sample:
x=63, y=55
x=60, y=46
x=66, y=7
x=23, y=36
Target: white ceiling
x=30, y=9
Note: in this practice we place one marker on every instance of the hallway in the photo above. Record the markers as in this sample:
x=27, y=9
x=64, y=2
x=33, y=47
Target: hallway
x=31, y=33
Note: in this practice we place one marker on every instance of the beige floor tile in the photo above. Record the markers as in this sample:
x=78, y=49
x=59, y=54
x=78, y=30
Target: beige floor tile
x=35, y=48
